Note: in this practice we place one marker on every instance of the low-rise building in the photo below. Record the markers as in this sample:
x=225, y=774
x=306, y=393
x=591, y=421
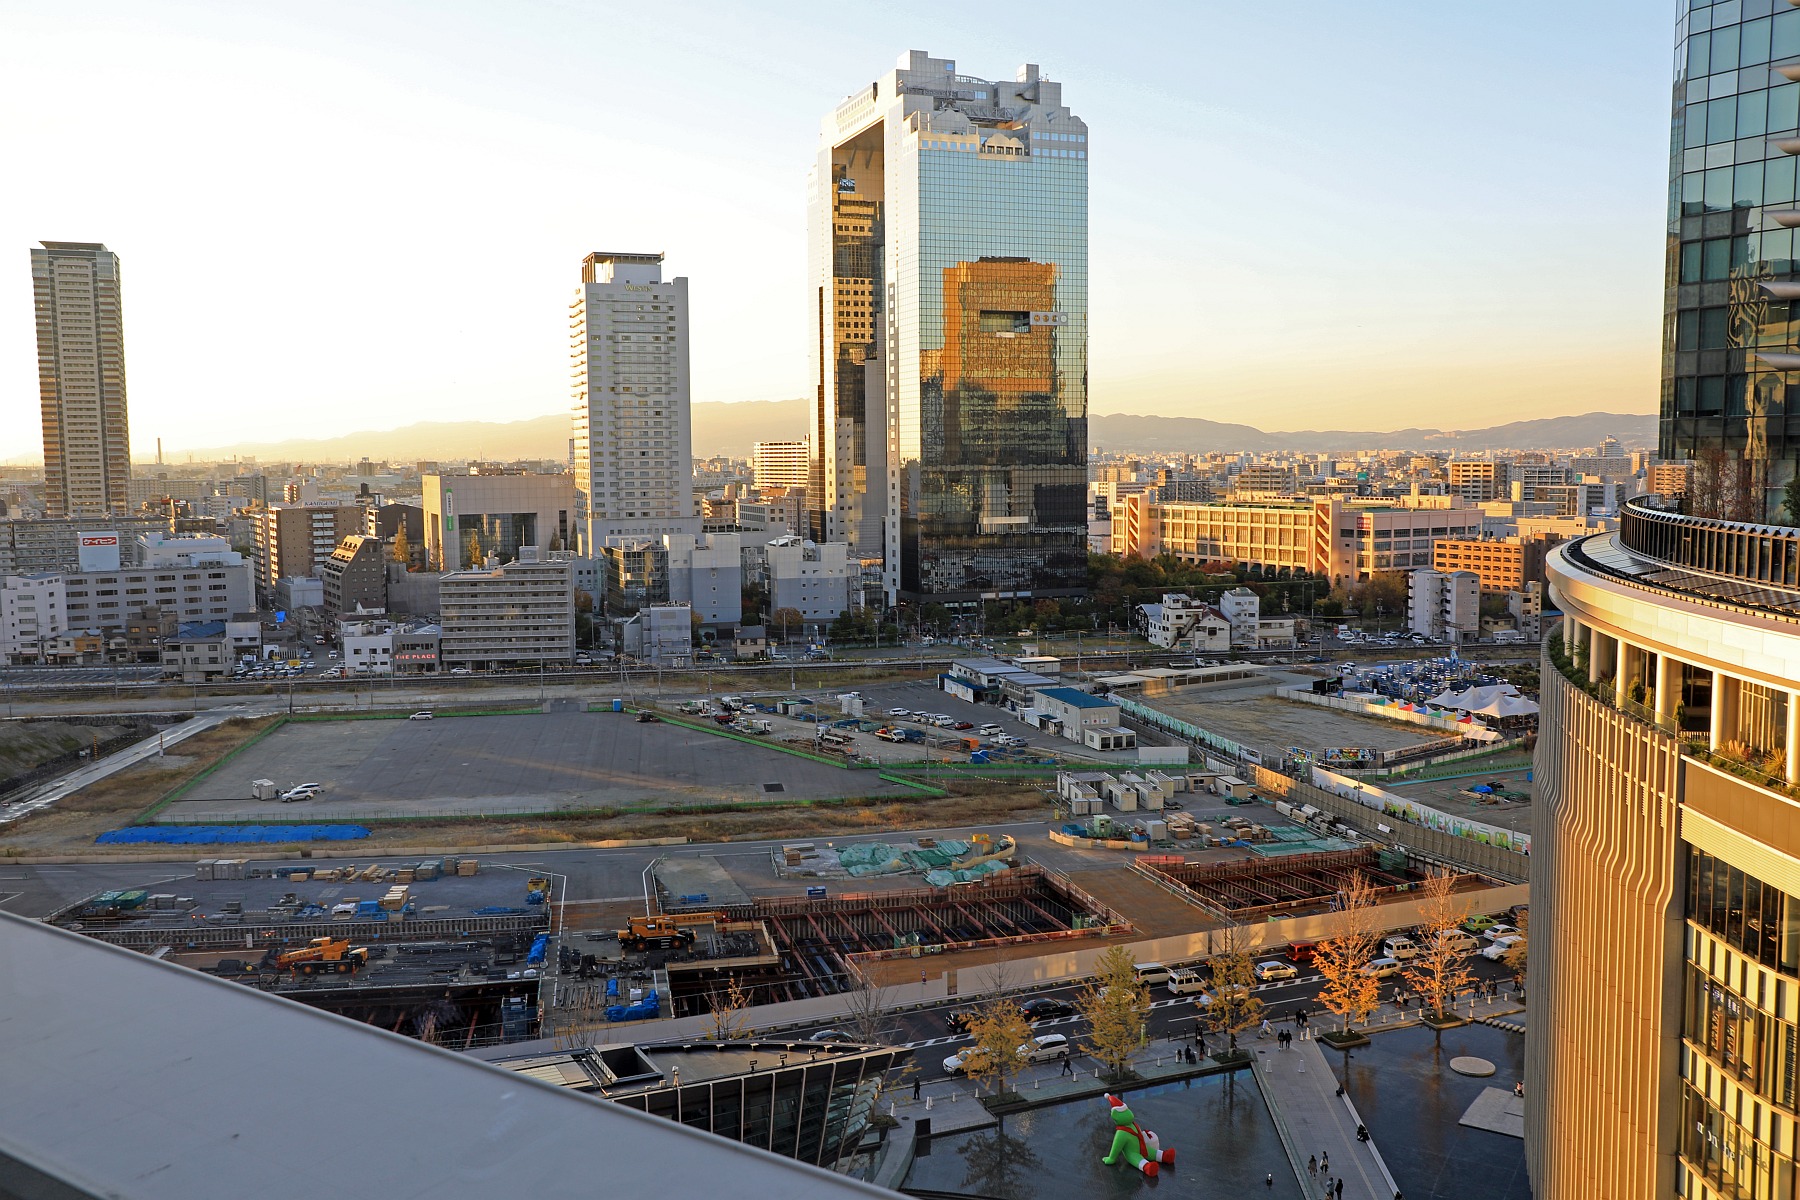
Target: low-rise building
x=198, y=653
x=1087, y=720
x=662, y=633
x=295, y=592
x=1181, y=622
x=813, y=578
x=367, y=646
x=521, y=612
x=32, y=613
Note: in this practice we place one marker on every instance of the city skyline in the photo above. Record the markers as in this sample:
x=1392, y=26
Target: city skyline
x=420, y=149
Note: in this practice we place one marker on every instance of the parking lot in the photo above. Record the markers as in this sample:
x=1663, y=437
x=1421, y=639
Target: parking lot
x=567, y=759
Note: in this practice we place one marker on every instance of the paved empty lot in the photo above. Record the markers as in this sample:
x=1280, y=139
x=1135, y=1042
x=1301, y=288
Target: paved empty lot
x=1271, y=724
x=535, y=763
x=1454, y=797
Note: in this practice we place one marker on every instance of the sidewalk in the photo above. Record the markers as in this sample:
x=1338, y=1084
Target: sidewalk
x=1312, y=1119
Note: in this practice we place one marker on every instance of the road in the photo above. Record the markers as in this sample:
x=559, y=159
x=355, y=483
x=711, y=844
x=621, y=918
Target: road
x=48, y=793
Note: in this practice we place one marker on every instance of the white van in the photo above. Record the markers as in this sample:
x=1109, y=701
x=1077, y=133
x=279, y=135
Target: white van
x=1400, y=948
x=1186, y=982
x=1457, y=940
x=1150, y=972
x=990, y=730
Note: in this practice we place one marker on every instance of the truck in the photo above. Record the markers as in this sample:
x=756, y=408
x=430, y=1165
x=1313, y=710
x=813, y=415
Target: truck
x=663, y=932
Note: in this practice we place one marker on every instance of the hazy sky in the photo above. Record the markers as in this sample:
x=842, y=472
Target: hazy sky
x=338, y=216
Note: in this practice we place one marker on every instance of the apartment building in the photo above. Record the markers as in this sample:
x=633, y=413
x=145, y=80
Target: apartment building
x=355, y=575
x=32, y=614
x=813, y=578
x=1182, y=622
x=1669, y=478
x=292, y=540
x=520, y=612
x=781, y=464
x=81, y=379
x=1476, y=480
x=1444, y=606
x=1503, y=564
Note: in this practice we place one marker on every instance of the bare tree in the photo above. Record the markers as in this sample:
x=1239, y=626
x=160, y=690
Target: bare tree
x=1234, y=1007
x=730, y=1011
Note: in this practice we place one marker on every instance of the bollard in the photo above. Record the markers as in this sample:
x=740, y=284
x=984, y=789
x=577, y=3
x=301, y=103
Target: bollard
x=1036, y=1081
x=928, y=1104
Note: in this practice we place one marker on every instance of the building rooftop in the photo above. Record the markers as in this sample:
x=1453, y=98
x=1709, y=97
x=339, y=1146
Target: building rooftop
x=1075, y=698
x=151, y=1081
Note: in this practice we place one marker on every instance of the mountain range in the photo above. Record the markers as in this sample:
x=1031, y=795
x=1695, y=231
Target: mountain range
x=731, y=429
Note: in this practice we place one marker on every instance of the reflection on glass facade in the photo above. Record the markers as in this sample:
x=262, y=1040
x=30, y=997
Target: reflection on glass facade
x=1731, y=341
x=1739, y=1081
x=964, y=338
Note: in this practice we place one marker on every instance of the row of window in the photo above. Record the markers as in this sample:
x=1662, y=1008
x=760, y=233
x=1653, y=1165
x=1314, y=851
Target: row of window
x=1733, y=46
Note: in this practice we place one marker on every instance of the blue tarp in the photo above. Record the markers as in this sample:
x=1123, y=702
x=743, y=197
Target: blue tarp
x=194, y=835
x=642, y=1010
x=538, y=944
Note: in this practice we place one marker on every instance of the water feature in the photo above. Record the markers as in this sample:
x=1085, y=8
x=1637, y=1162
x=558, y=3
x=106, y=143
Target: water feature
x=1224, y=1139
x=1411, y=1101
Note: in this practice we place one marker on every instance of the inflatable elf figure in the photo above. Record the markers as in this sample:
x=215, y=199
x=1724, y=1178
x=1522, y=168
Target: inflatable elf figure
x=1137, y=1146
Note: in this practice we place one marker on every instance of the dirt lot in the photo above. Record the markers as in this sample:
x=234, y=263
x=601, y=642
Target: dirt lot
x=1271, y=724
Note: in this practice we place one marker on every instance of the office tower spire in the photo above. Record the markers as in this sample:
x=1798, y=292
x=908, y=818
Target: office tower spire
x=948, y=267
x=81, y=379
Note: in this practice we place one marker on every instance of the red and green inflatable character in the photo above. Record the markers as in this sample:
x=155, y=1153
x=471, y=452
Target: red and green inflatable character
x=1137, y=1146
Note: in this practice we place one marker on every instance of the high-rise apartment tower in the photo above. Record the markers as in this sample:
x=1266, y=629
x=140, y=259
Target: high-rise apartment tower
x=628, y=332
x=948, y=267
x=81, y=379
x=1731, y=298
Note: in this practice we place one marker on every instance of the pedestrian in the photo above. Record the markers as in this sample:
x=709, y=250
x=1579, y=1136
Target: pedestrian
x=1340, y=1188
x=1264, y=1031
x=1068, y=1067
x=1325, y=1162
x=1269, y=1180
x=1312, y=1164
x=1519, y=1088
x=916, y=1085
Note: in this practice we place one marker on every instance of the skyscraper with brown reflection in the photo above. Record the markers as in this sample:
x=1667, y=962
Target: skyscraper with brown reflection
x=81, y=379
x=949, y=275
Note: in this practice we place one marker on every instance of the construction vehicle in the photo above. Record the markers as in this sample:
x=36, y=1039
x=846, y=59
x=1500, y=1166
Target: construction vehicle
x=324, y=956
x=664, y=932
x=537, y=890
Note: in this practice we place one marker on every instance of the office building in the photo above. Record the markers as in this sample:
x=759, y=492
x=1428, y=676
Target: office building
x=1665, y=931
x=520, y=612
x=81, y=380
x=1503, y=564
x=38, y=546
x=780, y=464
x=468, y=517
x=355, y=575
x=1444, y=606
x=662, y=634
x=197, y=591
x=293, y=540
x=1729, y=341
x=705, y=572
x=812, y=578
x=948, y=275
x=628, y=330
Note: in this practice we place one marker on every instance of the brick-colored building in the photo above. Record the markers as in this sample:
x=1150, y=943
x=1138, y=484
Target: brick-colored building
x=1504, y=564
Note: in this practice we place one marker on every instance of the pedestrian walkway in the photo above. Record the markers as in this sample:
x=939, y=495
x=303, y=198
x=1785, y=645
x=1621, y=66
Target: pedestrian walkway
x=1314, y=1120
x=47, y=794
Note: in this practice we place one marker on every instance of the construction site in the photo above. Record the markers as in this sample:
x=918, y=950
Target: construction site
x=439, y=950
x=1291, y=886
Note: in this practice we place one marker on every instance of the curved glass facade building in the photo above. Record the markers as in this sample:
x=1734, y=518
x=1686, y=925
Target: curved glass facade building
x=949, y=275
x=1664, y=1056
x=1731, y=340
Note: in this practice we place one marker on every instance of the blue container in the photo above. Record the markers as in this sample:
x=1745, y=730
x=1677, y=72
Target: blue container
x=815, y=893
x=618, y=705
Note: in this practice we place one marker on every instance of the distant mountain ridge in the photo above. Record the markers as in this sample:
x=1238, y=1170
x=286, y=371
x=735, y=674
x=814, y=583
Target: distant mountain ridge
x=732, y=429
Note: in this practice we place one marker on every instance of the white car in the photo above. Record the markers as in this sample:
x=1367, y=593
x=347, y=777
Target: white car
x=990, y=730
x=1381, y=968
x=305, y=791
x=1496, y=950
x=453, y=670
x=1498, y=930
x=1046, y=1047
x=899, y=712
x=1268, y=972
x=957, y=1063
x=420, y=716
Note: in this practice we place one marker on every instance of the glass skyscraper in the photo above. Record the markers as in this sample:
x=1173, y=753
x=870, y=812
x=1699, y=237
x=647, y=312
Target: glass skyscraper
x=1731, y=341
x=949, y=268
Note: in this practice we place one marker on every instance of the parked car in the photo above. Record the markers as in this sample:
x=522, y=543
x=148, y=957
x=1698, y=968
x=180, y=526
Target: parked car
x=1381, y=968
x=1269, y=972
x=1477, y=924
x=990, y=730
x=965, y=724
x=1497, y=949
x=959, y=1019
x=423, y=715
x=1045, y=1008
x=833, y=1035
x=305, y=791
x=1498, y=930
x=1046, y=1047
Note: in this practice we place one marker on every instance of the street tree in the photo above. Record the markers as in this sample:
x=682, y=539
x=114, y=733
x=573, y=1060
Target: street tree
x=1350, y=991
x=1515, y=953
x=785, y=619
x=1116, y=1005
x=1000, y=1031
x=1235, y=1006
x=730, y=1012
x=1441, y=970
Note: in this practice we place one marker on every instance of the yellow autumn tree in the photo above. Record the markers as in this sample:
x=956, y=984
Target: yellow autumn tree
x=1000, y=1031
x=1441, y=969
x=1350, y=991
x=1116, y=1005
x=1235, y=1006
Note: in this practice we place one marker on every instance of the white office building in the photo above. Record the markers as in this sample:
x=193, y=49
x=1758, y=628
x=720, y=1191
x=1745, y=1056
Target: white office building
x=813, y=578
x=1444, y=605
x=629, y=345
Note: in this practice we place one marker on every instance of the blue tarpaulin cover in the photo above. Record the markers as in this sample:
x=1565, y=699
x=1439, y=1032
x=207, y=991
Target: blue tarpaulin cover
x=191, y=835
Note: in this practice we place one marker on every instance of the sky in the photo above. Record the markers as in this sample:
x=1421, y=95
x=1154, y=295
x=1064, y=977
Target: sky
x=341, y=216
